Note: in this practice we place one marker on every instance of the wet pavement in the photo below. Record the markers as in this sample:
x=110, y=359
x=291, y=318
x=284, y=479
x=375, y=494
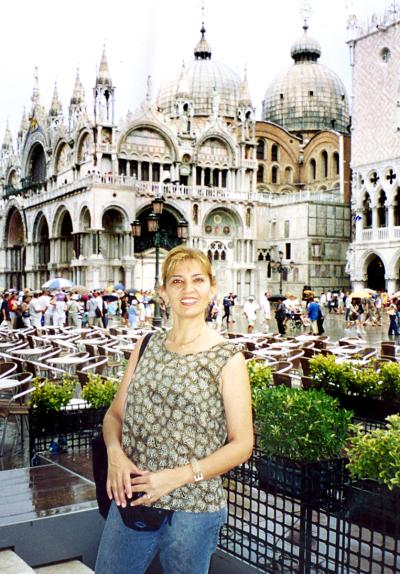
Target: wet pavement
x=333, y=325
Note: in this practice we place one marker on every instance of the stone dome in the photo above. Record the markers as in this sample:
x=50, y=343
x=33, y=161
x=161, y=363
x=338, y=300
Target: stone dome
x=205, y=82
x=307, y=96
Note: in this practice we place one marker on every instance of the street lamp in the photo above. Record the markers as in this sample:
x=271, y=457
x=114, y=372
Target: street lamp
x=153, y=226
x=280, y=268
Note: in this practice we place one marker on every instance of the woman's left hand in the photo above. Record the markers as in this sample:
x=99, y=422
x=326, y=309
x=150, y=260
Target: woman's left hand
x=153, y=485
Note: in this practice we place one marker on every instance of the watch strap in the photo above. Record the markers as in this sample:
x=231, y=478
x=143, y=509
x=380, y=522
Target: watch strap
x=197, y=474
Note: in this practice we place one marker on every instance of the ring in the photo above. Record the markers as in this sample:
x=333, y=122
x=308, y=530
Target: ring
x=148, y=495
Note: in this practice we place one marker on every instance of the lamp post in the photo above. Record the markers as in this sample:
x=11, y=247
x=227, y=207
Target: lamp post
x=153, y=226
x=280, y=268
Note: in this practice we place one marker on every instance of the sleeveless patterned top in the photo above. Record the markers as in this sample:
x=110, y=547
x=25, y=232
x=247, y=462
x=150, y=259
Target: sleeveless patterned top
x=174, y=412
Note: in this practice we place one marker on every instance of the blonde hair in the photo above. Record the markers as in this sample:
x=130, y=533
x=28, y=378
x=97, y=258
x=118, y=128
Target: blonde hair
x=180, y=254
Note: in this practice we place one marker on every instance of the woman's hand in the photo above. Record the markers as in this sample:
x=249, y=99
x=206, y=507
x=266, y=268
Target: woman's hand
x=154, y=485
x=120, y=468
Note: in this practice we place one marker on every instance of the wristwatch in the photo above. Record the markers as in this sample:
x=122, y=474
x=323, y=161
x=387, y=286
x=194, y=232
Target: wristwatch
x=197, y=474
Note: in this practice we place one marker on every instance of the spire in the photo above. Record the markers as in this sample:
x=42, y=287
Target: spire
x=35, y=93
x=103, y=75
x=245, y=99
x=202, y=50
x=56, y=106
x=149, y=90
x=183, y=83
x=7, y=141
x=78, y=95
x=24, y=125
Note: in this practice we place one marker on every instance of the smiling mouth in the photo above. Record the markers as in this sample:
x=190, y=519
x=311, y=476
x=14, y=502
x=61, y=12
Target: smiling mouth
x=188, y=301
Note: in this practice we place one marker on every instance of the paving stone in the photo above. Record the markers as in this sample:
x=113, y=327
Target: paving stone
x=11, y=563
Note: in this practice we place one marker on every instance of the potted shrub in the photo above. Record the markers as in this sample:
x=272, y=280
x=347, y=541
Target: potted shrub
x=334, y=378
x=369, y=392
x=373, y=495
x=301, y=437
x=51, y=396
x=99, y=392
x=260, y=377
x=55, y=426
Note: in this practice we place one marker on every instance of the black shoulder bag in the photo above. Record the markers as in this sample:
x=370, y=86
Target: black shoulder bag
x=136, y=517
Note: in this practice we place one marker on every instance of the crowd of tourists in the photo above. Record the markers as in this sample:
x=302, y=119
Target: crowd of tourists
x=135, y=309
x=45, y=307
x=359, y=310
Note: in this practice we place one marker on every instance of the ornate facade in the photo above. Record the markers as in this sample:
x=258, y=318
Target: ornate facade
x=374, y=254
x=73, y=185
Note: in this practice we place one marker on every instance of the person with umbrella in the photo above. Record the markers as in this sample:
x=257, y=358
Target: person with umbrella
x=280, y=316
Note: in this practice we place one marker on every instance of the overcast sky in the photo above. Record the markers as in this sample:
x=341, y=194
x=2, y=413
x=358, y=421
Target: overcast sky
x=154, y=37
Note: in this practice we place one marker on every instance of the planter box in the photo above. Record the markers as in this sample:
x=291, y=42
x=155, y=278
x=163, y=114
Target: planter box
x=373, y=506
x=312, y=481
x=369, y=408
x=63, y=430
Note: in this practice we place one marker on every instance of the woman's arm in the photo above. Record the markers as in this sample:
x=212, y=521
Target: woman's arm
x=120, y=466
x=235, y=389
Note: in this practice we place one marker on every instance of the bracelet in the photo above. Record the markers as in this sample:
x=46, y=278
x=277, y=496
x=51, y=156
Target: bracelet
x=197, y=474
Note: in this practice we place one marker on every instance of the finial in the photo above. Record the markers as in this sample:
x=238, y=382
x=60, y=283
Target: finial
x=305, y=13
x=35, y=92
x=149, y=89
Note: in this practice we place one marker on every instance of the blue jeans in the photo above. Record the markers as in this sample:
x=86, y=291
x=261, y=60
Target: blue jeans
x=393, y=327
x=186, y=544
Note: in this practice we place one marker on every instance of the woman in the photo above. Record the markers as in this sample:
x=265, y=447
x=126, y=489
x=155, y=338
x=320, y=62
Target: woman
x=26, y=318
x=187, y=421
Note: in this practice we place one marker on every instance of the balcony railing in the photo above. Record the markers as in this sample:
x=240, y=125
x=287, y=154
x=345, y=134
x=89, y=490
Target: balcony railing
x=380, y=234
x=35, y=193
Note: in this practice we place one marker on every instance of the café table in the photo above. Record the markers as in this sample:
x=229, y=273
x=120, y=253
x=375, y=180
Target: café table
x=9, y=384
x=68, y=362
x=28, y=352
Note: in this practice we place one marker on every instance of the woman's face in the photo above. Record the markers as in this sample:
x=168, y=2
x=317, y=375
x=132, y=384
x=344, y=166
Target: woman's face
x=188, y=290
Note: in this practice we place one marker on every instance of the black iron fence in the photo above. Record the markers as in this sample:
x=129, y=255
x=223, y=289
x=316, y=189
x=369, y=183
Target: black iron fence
x=287, y=522
x=282, y=519
x=66, y=430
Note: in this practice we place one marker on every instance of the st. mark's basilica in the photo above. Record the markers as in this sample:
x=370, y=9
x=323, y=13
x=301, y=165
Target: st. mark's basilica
x=268, y=200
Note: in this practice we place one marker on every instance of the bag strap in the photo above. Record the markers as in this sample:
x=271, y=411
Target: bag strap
x=143, y=346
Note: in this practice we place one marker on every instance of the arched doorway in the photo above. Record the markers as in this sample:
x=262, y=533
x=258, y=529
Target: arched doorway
x=15, y=250
x=37, y=164
x=376, y=274
x=167, y=230
x=41, y=249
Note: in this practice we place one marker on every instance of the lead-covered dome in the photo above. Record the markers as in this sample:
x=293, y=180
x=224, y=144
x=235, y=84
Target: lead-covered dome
x=205, y=82
x=307, y=96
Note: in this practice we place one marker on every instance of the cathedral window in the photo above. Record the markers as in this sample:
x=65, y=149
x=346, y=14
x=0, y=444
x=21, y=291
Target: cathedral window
x=396, y=208
x=217, y=251
x=336, y=163
x=145, y=171
x=274, y=153
x=195, y=214
x=198, y=175
x=248, y=217
x=288, y=175
x=260, y=174
x=382, y=210
x=367, y=211
x=324, y=157
x=274, y=174
x=313, y=169
x=156, y=172
x=260, y=149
